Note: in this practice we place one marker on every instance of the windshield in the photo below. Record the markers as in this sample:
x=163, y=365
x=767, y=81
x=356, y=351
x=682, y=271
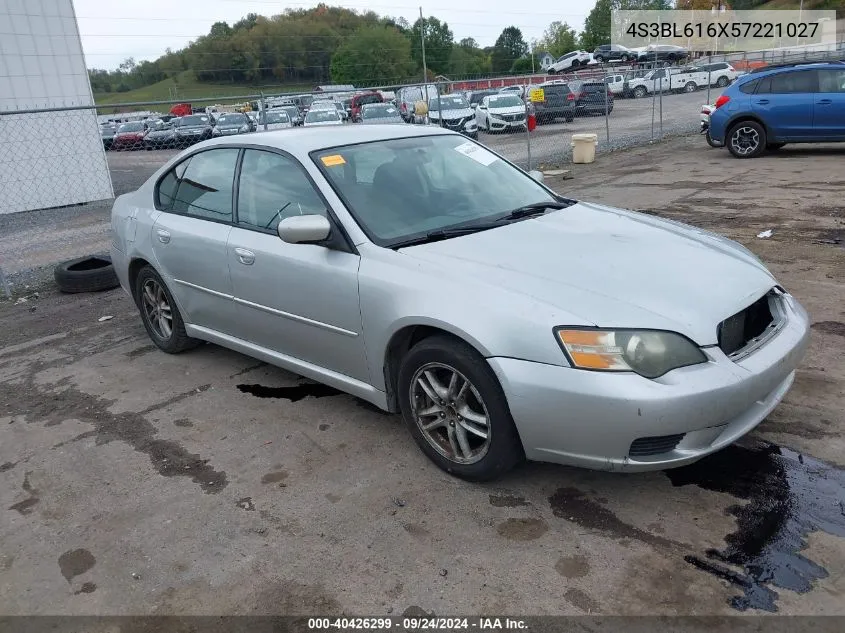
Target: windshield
x=193, y=120
x=318, y=116
x=232, y=119
x=447, y=103
x=379, y=111
x=132, y=126
x=277, y=117
x=400, y=189
x=505, y=101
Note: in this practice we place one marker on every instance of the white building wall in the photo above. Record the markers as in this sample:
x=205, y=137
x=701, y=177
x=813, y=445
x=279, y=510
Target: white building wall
x=47, y=159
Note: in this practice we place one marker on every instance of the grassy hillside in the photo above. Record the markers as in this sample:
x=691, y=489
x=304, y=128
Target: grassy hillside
x=187, y=87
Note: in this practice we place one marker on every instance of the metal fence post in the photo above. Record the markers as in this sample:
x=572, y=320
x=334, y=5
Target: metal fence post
x=439, y=105
x=606, y=105
x=262, y=109
x=709, y=82
x=5, y=284
x=528, y=133
x=668, y=78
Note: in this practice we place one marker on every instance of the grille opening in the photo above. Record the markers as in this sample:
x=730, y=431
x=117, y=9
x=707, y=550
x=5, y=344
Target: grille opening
x=736, y=331
x=645, y=446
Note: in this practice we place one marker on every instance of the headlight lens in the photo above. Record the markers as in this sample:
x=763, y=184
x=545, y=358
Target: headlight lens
x=649, y=353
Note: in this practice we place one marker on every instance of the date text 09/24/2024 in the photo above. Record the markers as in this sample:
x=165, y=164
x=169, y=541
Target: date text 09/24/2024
x=416, y=623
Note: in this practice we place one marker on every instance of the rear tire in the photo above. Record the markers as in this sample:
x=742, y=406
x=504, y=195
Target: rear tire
x=723, y=81
x=640, y=92
x=690, y=87
x=466, y=429
x=160, y=314
x=746, y=139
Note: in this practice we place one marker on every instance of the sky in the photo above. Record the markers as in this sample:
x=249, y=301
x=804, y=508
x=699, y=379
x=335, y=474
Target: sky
x=113, y=30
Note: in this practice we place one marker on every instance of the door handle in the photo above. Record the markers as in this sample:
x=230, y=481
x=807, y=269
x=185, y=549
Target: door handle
x=824, y=101
x=762, y=101
x=163, y=236
x=247, y=258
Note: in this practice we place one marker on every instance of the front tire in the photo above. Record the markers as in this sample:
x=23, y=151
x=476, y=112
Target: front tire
x=640, y=92
x=599, y=59
x=456, y=410
x=161, y=316
x=690, y=87
x=746, y=139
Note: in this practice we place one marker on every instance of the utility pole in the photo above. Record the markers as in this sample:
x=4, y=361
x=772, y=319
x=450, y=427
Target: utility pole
x=422, y=42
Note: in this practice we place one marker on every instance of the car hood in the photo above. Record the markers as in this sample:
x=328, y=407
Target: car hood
x=456, y=113
x=611, y=268
x=507, y=110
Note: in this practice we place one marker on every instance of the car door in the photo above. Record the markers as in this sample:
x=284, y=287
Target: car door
x=300, y=300
x=785, y=103
x=829, y=104
x=189, y=237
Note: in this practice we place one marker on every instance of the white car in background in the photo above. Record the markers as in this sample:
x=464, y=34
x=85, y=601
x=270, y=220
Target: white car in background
x=501, y=112
x=276, y=120
x=569, y=61
x=323, y=116
x=517, y=90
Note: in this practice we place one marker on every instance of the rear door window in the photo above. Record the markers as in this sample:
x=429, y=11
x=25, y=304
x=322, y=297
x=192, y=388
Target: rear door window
x=797, y=82
x=205, y=190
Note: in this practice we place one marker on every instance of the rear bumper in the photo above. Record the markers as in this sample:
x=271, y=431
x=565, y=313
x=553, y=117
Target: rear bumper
x=591, y=419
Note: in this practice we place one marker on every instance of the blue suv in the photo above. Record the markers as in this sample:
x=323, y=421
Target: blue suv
x=770, y=107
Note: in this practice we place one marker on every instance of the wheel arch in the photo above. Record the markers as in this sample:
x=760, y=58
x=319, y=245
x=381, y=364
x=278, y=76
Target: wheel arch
x=135, y=267
x=404, y=337
x=745, y=116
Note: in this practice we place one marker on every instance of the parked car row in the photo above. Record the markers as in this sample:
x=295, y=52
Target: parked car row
x=610, y=53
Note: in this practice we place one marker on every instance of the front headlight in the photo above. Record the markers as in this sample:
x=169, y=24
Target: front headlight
x=649, y=353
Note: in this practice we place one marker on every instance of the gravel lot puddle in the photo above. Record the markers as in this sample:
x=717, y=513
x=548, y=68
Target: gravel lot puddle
x=789, y=496
x=294, y=394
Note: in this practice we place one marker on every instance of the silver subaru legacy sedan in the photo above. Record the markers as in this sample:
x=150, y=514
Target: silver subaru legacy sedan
x=418, y=270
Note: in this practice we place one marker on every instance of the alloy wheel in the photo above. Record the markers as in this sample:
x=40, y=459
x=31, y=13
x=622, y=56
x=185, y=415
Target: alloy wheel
x=450, y=413
x=157, y=309
x=745, y=140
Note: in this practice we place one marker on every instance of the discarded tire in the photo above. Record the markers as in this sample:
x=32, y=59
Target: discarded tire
x=86, y=274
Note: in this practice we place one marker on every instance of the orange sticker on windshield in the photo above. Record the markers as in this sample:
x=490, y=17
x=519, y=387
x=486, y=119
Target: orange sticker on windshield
x=333, y=161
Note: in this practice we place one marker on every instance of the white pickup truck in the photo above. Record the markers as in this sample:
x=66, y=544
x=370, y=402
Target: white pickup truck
x=687, y=79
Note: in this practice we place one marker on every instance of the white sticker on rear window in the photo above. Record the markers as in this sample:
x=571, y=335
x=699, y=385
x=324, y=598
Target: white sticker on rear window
x=477, y=153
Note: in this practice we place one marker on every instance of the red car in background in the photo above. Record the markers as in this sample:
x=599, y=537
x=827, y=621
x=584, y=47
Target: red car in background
x=130, y=135
x=362, y=99
x=181, y=109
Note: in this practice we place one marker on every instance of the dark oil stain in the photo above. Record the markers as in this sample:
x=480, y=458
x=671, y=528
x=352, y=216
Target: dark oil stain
x=507, y=501
x=168, y=458
x=88, y=587
x=522, y=529
x=573, y=566
x=573, y=505
x=581, y=600
x=414, y=611
x=788, y=496
x=25, y=506
x=830, y=327
x=7, y=466
x=274, y=477
x=294, y=394
x=333, y=498
x=246, y=503
x=75, y=563
x=184, y=422
x=325, y=427
x=283, y=598
x=140, y=351
x=246, y=370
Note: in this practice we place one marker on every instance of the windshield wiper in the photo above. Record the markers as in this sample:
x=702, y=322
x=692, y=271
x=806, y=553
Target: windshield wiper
x=537, y=208
x=445, y=234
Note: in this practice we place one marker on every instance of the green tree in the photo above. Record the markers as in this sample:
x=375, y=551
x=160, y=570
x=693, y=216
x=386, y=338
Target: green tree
x=509, y=47
x=597, y=25
x=374, y=55
x=558, y=39
x=468, y=61
x=439, y=41
x=523, y=66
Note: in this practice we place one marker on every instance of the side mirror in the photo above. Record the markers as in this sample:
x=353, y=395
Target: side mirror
x=536, y=175
x=302, y=229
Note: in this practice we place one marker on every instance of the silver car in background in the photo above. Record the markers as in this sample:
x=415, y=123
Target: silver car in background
x=380, y=113
x=416, y=269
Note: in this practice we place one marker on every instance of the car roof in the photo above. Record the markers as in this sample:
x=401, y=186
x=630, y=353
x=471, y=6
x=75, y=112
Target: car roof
x=302, y=141
x=763, y=72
